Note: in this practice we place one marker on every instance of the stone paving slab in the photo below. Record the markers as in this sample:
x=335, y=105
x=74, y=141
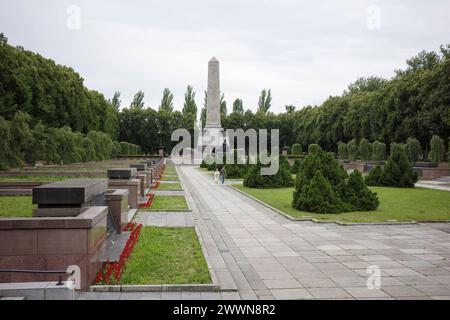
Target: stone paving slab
x=258, y=250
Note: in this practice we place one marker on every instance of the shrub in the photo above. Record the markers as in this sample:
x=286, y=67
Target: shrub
x=295, y=166
x=288, y=150
x=342, y=150
x=283, y=177
x=374, y=177
x=394, y=146
x=314, y=148
x=321, y=186
x=352, y=149
x=364, y=149
x=378, y=151
x=413, y=149
x=297, y=149
x=318, y=196
x=437, y=149
x=398, y=171
x=357, y=195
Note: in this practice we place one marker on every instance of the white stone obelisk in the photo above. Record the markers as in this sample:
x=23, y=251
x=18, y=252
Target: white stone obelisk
x=213, y=95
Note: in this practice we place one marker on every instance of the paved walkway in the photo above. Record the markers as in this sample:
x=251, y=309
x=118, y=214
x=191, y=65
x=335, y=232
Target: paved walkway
x=264, y=255
x=165, y=219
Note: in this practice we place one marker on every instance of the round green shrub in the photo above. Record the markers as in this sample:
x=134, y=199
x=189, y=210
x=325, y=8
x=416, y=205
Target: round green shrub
x=398, y=171
x=314, y=148
x=297, y=149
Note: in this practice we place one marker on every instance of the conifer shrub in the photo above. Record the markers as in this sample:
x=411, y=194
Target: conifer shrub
x=282, y=179
x=295, y=166
x=398, y=171
x=323, y=186
x=374, y=177
x=297, y=149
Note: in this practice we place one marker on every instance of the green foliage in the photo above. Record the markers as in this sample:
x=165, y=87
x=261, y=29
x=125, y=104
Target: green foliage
x=374, y=177
x=398, y=171
x=189, y=102
x=437, y=149
x=321, y=186
x=295, y=166
x=413, y=149
x=297, y=149
x=288, y=150
x=357, y=195
x=378, y=151
x=254, y=179
x=342, y=150
x=352, y=149
x=396, y=146
x=314, y=148
x=166, y=101
x=364, y=149
x=265, y=101
x=238, y=106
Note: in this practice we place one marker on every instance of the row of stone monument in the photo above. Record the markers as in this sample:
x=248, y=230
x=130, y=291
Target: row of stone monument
x=73, y=223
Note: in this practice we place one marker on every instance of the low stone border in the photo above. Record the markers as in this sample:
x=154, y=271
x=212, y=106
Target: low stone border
x=155, y=288
x=340, y=223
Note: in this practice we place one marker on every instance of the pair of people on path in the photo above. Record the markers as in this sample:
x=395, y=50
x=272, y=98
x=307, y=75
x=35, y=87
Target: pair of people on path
x=220, y=175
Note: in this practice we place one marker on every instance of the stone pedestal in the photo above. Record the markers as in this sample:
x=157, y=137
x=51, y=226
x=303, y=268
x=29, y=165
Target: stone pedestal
x=142, y=183
x=53, y=243
x=117, y=201
x=133, y=187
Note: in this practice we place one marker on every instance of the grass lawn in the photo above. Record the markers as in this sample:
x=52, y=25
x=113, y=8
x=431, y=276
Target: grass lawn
x=13, y=207
x=169, y=177
x=168, y=203
x=166, y=256
x=418, y=204
x=170, y=187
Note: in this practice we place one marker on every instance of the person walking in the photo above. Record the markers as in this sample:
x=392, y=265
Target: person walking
x=216, y=176
x=223, y=174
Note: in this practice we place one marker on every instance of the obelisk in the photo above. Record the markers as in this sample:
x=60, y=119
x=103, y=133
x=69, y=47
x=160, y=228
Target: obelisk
x=213, y=95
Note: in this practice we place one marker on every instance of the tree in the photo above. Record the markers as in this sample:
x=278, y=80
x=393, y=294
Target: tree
x=290, y=109
x=167, y=101
x=364, y=149
x=281, y=179
x=394, y=146
x=314, y=148
x=437, y=149
x=189, y=102
x=342, y=150
x=366, y=84
x=321, y=186
x=374, y=177
x=223, y=107
x=238, y=106
x=296, y=149
x=264, y=102
x=352, y=149
x=398, y=171
x=413, y=149
x=138, y=100
x=116, y=102
x=378, y=151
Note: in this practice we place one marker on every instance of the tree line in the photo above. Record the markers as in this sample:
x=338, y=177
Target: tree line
x=46, y=113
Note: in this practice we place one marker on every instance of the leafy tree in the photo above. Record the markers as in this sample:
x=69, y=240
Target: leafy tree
x=138, y=101
x=413, y=149
x=189, y=102
x=290, y=109
x=116, y=102
x=366, y=84
x=167, y=101
x=394, y=146
x=342, y=150
x=364, y=149
x=378, y=151
x=296, y=149
x=223, y=107
x=352, y=149
x=265, y=101
x=238, y=106
x=437, y=149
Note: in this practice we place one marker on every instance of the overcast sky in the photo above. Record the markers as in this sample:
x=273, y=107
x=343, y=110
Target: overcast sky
x=303, y=50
